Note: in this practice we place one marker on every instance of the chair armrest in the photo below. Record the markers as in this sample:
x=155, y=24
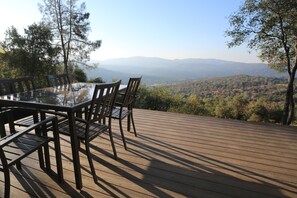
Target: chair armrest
x=8, y=139
x=81, y=120
x=118, y=104
x=54, y=113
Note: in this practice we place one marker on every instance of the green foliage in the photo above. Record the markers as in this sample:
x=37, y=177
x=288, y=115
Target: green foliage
x=159, y=99
x=80, y=75
x=243, y=105
x=141, y=97
x=275, y=115
x=270, y=27
x=191, y=105
x=231, y=107
x=222, y=109
x=251, y=87
x=257, y=111
x=238, y=106
x=29, y=55
x=96, y=80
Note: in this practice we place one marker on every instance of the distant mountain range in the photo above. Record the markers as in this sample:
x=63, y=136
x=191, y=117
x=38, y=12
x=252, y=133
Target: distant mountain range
x=162, y=71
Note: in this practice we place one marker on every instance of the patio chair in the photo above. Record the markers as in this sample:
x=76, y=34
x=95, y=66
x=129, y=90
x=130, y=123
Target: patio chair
x=57, y=79
x=5, y=87
x=94, y=122
x=27, y=84
x=16, y=146
x=22, y=84
x=11, y=86
x=124, y=106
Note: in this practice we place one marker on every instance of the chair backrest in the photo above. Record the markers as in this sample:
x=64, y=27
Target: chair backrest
x=131, y=90
x=5, y=87
x=103, y=101
x=10, y=86
x=22, y=84
x=56, y=80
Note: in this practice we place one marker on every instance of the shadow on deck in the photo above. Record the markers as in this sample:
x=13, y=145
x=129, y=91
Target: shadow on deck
x=176, y=155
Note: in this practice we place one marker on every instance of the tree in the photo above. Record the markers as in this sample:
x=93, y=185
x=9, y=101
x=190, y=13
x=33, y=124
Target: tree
x=30, y=54
x=270, y=27
x=191, y=105
x=96, y=80
x=222, y=109
x=238, y=105
x=257, y=111
x=70, y=26
x=80, y=75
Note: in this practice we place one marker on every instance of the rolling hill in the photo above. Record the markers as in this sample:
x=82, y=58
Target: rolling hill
x=163, y=71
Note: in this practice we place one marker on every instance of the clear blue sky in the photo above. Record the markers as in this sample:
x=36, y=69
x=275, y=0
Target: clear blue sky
x=172, y=29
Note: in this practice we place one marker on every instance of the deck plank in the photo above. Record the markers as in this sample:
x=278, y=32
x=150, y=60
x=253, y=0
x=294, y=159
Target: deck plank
x=175, y=155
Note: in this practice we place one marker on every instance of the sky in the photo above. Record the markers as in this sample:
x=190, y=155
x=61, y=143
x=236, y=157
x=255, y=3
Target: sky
x=171, y=29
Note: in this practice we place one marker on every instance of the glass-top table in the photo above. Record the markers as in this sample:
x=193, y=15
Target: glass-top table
x=69, y=98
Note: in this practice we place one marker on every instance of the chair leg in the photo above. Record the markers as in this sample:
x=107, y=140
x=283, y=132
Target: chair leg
x=2, y=129
x=122, y=133
x=58, y=157
x=19, y=165
x=112, y=143
x=11, y=123
x=40, y=157
x=45, y=147
x=47, y=157
x=7, y=183
x=131, y=114
x=90, y=161
x=128, y=122
x=40, y=150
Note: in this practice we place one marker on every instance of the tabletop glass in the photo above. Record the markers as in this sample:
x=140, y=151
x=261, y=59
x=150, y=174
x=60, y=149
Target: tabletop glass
x=66, y=95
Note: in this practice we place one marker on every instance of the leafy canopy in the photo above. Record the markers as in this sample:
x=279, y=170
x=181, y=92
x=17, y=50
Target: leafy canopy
x=30, y=54
x=270, y=27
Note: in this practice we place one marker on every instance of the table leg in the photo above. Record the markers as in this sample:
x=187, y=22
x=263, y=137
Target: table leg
x=75, y=150
x=46, y=148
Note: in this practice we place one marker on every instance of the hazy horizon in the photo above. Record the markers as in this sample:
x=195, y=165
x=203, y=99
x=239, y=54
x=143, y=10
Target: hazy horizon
x=172, y=59
x=159, y=70
x=170, y=29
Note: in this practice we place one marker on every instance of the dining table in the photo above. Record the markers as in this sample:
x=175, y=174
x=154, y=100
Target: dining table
x=69, y=99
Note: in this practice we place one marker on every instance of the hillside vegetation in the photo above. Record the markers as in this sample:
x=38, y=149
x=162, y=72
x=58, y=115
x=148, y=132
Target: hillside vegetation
x=236, y=97
x=251, y=87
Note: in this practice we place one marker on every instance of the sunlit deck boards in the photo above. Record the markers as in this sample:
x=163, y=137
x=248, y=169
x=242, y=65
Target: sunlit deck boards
x=177, y=155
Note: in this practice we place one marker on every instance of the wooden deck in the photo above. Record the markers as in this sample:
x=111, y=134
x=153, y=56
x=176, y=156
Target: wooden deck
x=176, y=155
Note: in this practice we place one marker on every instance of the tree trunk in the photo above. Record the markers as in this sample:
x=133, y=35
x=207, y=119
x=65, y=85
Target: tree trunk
x=286, y=107
x=289, y=106
x=291, y=110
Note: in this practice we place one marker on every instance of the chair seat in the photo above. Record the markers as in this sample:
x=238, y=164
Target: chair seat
x=116, y=113
x=28, y=121
x=16, y=146
x=22, y=146
x=80, y=129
